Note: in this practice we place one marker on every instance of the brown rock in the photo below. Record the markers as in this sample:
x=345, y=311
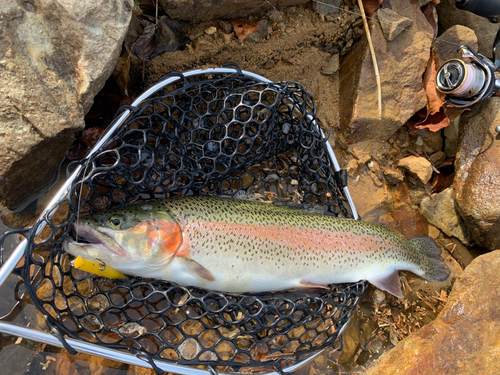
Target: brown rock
x=392, y=23
x=437, y=158
x=332, y=66
x=203, y=10
x=401, y=64
x=394, y=175
x=369, y=195
x=440, y=210
x=464, y=337
x=411, y=224
x=477, y=179
x=449, y=15
x=446, y=44
x=417, y=165
x=54, y=59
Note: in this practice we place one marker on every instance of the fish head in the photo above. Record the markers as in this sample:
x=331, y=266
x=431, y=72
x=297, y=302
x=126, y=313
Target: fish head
x=143, y=237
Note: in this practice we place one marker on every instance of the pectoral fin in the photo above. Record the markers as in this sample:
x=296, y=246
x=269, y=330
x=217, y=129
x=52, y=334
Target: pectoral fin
x=308, y=284
x=388, y=282
x=196, y=269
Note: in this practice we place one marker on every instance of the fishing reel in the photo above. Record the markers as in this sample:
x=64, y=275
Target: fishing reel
x=469, y=80
x=473, y=78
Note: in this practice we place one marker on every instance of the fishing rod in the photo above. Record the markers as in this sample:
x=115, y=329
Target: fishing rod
x=473, y=77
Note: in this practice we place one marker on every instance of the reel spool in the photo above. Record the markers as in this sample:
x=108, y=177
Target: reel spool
x=466, y=82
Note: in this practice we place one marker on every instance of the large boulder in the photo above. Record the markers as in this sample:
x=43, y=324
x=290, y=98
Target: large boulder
x=401, y=63
x=203, y=10
x=449, y=15
x=55, y=56
x=464, y=338
x=447, y=43
x=477, y=179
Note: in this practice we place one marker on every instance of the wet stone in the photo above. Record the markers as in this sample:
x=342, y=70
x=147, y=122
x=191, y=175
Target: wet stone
x=469, y=324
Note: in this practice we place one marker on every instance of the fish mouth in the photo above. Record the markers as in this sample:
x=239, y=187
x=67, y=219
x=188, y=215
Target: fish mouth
x=86, y=237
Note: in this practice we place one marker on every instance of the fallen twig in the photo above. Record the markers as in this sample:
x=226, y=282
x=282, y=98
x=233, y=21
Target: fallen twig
x=374, y=58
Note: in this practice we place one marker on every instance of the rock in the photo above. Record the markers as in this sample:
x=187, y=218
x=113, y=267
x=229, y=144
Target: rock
x=464, y=337
x=477, y=179
x=431, y=141
x=437, y=158
x=440, y=211
x=226, y=26
x=401, y=65
x=332, y=66
x=446, y=45
x=276, y=16
x=327, y=7
x=451, y=138
x=410, y=223
x=449, y=16
x=55, y=56
x=211, y=30
x=260, y=33
x=204, y=10
x=394, y=175
x=417, y=165
x=369, y=195
x=16, y=359
x=392, y=23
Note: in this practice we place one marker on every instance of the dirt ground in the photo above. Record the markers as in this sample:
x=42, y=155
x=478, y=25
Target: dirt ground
x=296, y=49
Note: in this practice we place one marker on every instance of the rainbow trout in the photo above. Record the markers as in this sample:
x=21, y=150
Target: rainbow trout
x=240, y=246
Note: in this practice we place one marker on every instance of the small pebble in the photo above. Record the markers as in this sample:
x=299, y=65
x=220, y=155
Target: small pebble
x=378, y=296
x=211, y=30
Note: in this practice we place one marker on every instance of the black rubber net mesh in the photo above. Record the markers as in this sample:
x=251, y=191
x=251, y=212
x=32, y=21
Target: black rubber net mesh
x=219, y=134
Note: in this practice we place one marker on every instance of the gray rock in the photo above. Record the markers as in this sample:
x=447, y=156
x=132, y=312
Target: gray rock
x=260, y=33
x=477, y=178
x=327, y=7
x=392, y=23
x=55, y=56
x=450, y=15
x=401, y=65
x=276, y=16
x=446, y=45
x=440, y=211
x=203, y=10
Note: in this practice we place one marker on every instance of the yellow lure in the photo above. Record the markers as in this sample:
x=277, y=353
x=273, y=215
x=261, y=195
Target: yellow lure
x=97, y=268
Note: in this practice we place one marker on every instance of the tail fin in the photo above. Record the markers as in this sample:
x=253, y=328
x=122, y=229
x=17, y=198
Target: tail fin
x=433, y=266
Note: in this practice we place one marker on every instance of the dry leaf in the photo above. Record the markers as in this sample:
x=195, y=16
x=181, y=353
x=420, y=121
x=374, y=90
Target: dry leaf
x=435, y=99
x=145, y=45
x=429, y=13
x=454, y=112
x=121, y=74
x=243, y=28
x=435, y=117
x=371, y=6
x=434, y=122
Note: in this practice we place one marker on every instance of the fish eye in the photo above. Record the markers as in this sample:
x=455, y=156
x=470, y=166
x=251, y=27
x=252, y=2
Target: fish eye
x=115, y=222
